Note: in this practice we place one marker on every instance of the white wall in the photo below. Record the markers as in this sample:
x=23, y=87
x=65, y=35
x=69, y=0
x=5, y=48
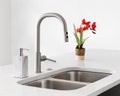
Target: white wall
x=26, y=13
x=5, y=32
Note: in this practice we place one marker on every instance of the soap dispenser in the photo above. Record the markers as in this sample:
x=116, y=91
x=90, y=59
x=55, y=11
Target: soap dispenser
x=22, y=64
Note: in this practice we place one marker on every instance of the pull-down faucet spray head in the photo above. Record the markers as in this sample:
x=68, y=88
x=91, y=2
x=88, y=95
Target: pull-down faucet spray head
x=58, y=16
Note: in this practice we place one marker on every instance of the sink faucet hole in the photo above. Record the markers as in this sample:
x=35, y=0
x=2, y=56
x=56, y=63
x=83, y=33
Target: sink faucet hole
x=49, y=69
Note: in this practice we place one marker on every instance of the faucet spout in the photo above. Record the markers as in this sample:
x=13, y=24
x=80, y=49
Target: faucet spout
x=38, y=53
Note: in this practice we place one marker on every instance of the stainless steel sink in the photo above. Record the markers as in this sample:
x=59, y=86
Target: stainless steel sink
x=55, y=84
x=82, y=76
x=66, y=78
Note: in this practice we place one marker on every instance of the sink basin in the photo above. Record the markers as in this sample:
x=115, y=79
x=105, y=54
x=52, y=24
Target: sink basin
x=81, y=75
x=65, y=79
x=55, y=84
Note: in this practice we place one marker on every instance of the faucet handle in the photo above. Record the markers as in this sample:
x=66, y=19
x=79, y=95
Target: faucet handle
x=50, y=60
x=43, y=58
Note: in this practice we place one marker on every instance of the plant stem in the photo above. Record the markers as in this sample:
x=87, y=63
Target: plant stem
x=81, y=39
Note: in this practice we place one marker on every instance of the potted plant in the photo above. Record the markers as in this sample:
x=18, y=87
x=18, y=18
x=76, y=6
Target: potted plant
x=80, y=40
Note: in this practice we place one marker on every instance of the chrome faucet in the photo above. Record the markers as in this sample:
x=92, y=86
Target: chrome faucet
x=38, y=53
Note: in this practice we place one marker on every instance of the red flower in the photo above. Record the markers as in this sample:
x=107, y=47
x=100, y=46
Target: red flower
x=83, y=21
x=93, y=26
x=79, y=29
x=86, y=27
x=88, y=23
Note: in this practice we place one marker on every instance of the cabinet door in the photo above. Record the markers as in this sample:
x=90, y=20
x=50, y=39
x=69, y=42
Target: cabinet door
x=115, y=91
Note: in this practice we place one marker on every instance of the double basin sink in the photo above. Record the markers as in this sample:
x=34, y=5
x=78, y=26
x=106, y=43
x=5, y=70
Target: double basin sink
x=66, y=78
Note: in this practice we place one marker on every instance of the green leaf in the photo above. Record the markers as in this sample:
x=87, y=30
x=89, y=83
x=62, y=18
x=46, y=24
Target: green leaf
x=76, y=36
x=77, y=39
x=84, y=40
x=81, y=38
x=74, y=28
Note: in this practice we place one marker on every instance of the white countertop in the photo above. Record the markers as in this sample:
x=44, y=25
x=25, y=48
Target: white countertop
x=98, y=59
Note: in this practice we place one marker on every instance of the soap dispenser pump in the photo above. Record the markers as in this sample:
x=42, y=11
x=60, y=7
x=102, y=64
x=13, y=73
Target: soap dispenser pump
x=23, y=64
